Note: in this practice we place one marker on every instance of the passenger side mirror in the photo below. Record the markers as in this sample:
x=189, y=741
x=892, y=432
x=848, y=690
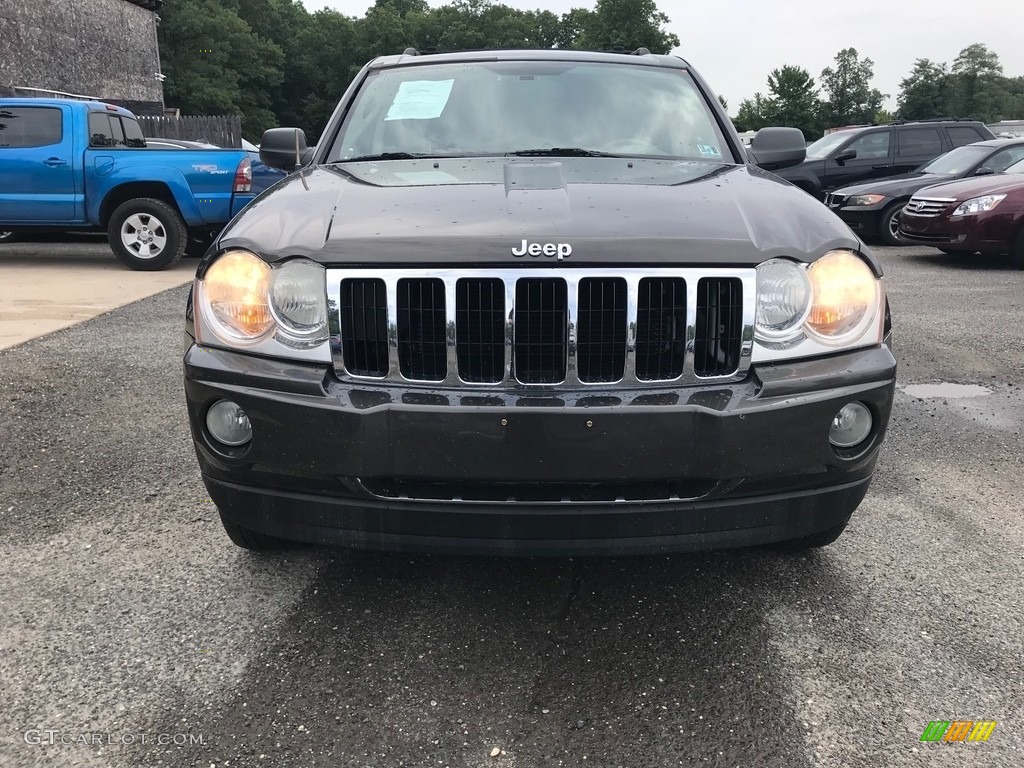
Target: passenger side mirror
x=285, y=148
x=984, y=171
x=846, y=154
x=775, y=148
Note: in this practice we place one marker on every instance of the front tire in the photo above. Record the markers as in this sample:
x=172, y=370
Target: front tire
x=254, y=541
x=147, y=234
x=1017, y=250
x=889, y=227
x=8, y=237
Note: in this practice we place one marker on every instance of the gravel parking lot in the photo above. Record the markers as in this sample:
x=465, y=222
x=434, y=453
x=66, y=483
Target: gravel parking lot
x=130, y=620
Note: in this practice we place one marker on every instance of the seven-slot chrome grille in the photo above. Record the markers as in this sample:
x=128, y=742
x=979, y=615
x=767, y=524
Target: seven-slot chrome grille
x=542, y=326
x=929, y=207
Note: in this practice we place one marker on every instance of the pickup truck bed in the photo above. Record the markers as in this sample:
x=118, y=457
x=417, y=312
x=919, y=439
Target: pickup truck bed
x=84, y=165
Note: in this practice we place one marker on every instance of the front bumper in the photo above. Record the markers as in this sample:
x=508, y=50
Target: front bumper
x=989, y=232
x=567, y=472
x=864, y=220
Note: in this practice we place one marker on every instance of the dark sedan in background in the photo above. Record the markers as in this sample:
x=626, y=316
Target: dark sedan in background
x=978, y=215
x=873, y=209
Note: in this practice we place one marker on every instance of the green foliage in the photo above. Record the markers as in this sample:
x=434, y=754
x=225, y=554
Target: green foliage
x=794, y=100
x=924, y=93
x=973, y=87
x=755, y=113
x=850, y=98
x=274, y=63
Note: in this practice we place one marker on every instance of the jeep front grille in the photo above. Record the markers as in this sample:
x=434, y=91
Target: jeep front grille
x=542, y=327
x=365, y=344
x=422, y=353
x=719, y=324
x=928, y=207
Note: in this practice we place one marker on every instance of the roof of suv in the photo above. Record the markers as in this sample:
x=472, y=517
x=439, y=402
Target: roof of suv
x=951, y=121
x=528, y=54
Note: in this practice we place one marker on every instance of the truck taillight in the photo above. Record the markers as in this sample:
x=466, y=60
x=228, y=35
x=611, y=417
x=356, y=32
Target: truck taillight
x=243, y=176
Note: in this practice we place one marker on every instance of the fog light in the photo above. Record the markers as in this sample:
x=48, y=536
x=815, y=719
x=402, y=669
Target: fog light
x=851, y=426
x=228, y=423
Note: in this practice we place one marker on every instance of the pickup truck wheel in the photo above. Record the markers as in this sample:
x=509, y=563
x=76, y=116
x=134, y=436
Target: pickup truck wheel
x=7, y=237
x=254, y=540
x=889, y=229
x=147, y=234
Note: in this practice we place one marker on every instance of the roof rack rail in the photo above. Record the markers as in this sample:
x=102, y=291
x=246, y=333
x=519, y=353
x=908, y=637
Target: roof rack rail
x=623, y=49
x=410, y=52
x=930, y=120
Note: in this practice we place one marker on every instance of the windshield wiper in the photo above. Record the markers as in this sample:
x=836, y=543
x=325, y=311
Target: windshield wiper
x=388, y=156
x=560, y=152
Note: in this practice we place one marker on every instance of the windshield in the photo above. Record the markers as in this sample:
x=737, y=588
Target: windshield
x=1017, y=167
x=823, y=147
x=955, y=162
x=499, y=108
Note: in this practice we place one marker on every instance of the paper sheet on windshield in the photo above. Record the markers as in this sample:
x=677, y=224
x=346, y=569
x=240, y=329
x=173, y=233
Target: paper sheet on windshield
x=420, y=100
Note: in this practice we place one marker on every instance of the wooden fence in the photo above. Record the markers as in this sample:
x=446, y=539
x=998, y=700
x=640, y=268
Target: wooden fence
x=222, y=130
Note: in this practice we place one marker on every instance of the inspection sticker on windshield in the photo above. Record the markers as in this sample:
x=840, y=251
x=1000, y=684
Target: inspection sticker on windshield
x=709, y=150
x=420, y=100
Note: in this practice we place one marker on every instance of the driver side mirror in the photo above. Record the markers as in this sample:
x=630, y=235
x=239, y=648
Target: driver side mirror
x=285, y=148
x=775, y=148
x=846, y=154
x=984, y=171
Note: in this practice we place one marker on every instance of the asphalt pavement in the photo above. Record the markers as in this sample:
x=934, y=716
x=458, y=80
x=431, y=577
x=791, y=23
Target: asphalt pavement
x=128, y=618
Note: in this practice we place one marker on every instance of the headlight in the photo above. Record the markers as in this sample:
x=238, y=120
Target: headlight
x=242, y=302
x=235, y=288
x=978, y=205
x=845, y=296
x=783, y=299
x=865, y=199
x=810, y=309
x=297, y=302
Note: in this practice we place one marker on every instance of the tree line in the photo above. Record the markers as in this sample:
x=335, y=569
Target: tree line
x=274, y=63
x=973, y=87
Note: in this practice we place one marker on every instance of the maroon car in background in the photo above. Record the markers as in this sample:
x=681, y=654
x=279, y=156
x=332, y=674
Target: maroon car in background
x=978, y=215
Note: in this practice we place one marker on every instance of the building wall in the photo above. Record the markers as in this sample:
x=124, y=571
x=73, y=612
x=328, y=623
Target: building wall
x=102, y=48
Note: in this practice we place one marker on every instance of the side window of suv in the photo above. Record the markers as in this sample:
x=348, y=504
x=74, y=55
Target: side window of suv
x=872, y=146
x=963, y=134
x=918, y=142
x=30, y=126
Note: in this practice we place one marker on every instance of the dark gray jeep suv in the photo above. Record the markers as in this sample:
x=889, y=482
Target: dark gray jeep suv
x=536, y=302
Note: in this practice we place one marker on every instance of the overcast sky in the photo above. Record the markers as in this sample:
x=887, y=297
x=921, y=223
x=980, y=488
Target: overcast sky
x=736, y=43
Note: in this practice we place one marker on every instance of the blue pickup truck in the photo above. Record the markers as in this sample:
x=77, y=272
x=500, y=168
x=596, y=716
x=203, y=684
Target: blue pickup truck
x=84, y=165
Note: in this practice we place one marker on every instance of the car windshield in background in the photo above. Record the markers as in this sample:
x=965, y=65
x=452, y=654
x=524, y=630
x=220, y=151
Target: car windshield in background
x=539, y=108
x=823, y=147
x=1016, y=168
x=956, y=161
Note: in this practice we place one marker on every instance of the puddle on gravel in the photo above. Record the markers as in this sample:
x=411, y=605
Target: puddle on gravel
x=946, y=390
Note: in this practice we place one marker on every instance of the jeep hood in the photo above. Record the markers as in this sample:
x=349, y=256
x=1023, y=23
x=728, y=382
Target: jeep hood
x=475, y=211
